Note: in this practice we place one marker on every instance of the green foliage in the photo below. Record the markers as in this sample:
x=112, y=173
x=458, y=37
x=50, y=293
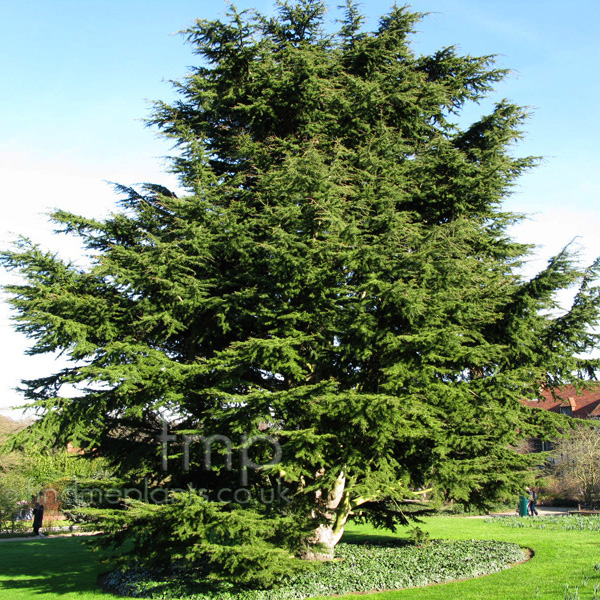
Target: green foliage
x=42, y=464
x=338, y=274
x=418, y=536
x=39, y=473
x=14, y=490
x=216, y=542
x=44, y=468
x=8, y=428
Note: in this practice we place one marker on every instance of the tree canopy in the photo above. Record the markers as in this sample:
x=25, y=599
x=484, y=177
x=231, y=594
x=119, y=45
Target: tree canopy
x=338, y=276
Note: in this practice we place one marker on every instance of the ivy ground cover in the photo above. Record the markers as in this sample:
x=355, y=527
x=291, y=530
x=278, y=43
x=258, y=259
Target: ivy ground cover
x=358, y=568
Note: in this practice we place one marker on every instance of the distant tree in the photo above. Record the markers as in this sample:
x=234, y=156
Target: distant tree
x=338, y=276
x=9, y=427
x=13, y=492
x=40, y=472
x=577, y=463
x=13, y=483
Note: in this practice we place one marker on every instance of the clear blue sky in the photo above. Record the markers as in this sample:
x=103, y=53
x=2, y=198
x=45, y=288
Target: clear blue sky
x=77, y=77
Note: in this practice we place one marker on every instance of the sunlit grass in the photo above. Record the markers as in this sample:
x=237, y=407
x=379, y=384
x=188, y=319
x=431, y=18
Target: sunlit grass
x=566, y=565
x=49, y=569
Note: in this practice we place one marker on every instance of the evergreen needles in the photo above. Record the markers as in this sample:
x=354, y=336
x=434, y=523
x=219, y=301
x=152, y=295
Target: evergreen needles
x=337, y=278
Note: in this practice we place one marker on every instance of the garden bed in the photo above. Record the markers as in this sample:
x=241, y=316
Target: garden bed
x=571, y=522
x=361, y=568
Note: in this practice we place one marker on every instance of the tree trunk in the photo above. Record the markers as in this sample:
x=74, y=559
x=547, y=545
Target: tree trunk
x=334, y=508
x=323, y=542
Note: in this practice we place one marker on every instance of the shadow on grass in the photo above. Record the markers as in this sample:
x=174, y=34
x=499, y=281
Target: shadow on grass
x=58, y=566
x=383, y=539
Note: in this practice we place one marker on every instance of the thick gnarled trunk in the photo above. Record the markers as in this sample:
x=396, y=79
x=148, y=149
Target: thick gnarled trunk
x=334, y=509
x=323, y=542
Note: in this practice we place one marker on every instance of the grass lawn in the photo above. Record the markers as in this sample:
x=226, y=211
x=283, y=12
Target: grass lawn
x=49, y=569
x=64, y=569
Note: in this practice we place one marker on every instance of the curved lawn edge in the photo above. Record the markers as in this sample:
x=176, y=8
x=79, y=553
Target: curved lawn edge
x=529, y=554
x=363, y=569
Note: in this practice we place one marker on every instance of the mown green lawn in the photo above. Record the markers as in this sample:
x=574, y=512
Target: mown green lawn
x=49, y=569
x=65, y=569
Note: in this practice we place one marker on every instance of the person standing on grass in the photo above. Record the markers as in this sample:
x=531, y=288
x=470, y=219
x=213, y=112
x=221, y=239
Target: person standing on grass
x=532, y=502
x=38, y=517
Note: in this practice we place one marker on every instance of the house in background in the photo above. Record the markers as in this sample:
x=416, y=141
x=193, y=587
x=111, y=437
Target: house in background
x=584, y=404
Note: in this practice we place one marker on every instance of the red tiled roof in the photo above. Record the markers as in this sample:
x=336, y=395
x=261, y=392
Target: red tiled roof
x=583, y=403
